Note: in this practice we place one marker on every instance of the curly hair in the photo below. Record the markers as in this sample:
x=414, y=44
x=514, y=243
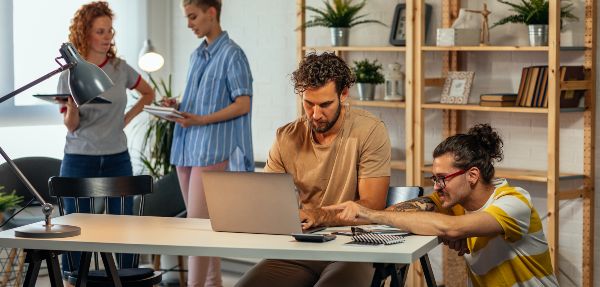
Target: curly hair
x=315, y=71
x=480, y=147
x=81, y=24
x=205, y=4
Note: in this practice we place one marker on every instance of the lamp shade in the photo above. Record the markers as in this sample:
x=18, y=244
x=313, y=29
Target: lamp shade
x=86, y=80
x=149, y=60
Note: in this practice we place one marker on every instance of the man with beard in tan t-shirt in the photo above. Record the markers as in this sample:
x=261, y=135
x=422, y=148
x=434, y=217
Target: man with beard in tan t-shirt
x=335, y=154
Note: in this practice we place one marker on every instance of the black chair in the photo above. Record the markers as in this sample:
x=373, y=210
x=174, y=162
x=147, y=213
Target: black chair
x=102, y=188
x=398, y=272
x=37, y=170
x=167, y=201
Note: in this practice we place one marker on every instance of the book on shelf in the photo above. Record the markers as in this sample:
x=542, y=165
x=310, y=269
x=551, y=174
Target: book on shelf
x=533, y=88
x=497, y=103
x=498, y=97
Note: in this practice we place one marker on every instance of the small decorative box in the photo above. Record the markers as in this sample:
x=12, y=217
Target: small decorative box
x=458, y=37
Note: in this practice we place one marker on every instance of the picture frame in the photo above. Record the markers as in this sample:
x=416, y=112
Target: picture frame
x=398, y=29
x=457, y=88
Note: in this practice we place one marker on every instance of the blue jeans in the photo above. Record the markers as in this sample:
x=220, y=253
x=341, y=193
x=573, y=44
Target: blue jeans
x=75, y=165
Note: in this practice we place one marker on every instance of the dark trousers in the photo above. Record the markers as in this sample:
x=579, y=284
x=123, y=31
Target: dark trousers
x=75, y=165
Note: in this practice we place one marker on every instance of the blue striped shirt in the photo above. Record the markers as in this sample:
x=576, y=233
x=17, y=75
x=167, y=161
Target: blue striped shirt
x=218, y=73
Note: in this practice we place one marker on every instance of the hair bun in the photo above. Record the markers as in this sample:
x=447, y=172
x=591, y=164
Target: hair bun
x=488, y=139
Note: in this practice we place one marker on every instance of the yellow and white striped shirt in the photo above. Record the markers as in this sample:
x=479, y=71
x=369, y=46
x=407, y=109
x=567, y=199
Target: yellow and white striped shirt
x=519, y=256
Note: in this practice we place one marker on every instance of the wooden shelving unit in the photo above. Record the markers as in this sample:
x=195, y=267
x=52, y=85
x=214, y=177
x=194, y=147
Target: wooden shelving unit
x=379, y=104
x=452, y=115
x=356, y=49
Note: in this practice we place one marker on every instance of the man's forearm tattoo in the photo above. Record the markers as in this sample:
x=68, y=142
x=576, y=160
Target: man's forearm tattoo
x=417, y=204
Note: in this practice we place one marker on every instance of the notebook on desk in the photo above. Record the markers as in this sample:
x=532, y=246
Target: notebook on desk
x=252, y=202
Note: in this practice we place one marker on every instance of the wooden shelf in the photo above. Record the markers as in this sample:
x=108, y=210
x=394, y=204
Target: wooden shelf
x=500, y=48
x=438, y=106
x=523, y=174
x=355, y=48
x=487, y=48
x=473, y=107
x=379, y=104
x=398, y=165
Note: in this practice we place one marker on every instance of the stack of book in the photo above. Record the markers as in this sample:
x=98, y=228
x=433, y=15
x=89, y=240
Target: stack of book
x=498, y=100
x=533, y=89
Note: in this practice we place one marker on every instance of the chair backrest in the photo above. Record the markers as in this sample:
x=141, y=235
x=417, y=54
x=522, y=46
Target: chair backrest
x=93, y=188
x=402, y=193
x=166, y=199
x=36, y=169
x=100, y=187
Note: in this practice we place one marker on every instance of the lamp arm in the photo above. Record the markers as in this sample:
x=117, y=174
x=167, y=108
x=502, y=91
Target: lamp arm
x=47, y=208
x=37, y=81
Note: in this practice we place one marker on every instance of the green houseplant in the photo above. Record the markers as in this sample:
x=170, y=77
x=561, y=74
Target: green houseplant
x=535, y=14
x=8, y=200
x=368, y=75
x=339, y=16
x=156, y=144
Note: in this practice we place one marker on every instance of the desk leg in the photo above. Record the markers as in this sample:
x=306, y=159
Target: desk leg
x=54, y=269
x=427, y=271
x=110, y=267
x=84, y=269
x=398, y=273
x=35, y=258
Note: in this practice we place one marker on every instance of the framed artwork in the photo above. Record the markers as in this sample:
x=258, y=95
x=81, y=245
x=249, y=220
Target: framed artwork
x=457, y=88
x=398, y=30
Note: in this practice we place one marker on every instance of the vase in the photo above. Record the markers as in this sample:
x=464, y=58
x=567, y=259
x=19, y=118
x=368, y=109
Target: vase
x=339, y=36
x=538, y=35
x=366, y=91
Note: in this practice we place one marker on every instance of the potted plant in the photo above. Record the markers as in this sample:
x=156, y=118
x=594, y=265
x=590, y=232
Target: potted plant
x=535, y=14
x=8, y=201
x=339, y=16
x=368, y=75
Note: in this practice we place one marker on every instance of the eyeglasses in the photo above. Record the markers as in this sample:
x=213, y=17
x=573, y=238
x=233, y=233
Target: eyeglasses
x=441, y=180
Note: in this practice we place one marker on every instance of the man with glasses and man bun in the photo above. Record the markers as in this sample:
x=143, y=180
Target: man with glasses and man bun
x=493, y=224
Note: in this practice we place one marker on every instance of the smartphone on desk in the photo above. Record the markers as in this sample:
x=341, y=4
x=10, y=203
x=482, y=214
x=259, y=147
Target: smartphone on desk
x=311, y=237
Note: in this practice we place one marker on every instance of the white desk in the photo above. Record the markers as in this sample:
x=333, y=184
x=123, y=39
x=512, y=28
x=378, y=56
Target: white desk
x=189, y=237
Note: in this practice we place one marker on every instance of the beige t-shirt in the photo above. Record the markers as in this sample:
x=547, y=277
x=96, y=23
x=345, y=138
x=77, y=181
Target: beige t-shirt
x=328, y=174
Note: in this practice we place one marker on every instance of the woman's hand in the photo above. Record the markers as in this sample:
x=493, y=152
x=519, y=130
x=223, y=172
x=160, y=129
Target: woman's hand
x=169, y=102
x=189, y=120
x=71, y=114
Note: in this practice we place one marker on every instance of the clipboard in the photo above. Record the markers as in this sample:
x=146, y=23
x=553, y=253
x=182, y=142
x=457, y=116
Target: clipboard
x=165, y=113
x=58, y=98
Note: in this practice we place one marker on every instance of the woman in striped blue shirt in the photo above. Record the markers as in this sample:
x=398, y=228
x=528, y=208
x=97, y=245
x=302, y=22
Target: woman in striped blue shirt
x=214, y=133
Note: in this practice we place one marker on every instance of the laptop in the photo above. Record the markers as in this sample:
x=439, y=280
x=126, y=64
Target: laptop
x=252, y=202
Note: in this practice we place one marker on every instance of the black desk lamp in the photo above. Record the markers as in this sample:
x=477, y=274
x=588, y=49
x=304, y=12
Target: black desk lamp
x=86, y=81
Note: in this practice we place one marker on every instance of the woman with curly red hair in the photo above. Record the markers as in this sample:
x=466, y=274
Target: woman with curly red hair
x=96, y=145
